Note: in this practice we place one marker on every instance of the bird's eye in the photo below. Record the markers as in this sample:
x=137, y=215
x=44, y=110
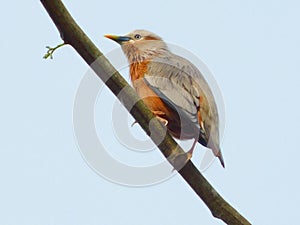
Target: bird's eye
x=137, y=36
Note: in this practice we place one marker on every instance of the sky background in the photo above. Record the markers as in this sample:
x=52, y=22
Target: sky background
x=252, y=48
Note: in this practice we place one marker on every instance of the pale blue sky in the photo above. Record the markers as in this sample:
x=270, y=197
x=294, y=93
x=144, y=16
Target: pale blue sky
x=252, y=47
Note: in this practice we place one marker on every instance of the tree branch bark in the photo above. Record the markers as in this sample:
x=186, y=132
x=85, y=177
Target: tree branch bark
x=73, y=35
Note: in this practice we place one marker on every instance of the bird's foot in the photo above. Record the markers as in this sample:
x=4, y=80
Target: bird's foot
x=159, y=115
x=164, y=121
x=180, y=160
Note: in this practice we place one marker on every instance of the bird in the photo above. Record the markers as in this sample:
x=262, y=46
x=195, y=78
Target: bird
x=173, y=89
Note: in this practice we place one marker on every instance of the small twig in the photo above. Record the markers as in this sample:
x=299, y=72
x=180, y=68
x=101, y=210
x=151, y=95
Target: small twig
x=51, y=51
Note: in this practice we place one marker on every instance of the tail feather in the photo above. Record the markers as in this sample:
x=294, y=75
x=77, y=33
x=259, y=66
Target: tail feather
x=217, y=152
x=213, y=146
x=220, y=156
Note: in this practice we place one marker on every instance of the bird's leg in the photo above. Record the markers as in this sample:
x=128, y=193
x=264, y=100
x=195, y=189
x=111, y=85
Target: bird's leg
x=190, y=152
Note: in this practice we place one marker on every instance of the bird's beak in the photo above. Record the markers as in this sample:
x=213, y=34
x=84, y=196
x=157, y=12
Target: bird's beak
x=118, y=39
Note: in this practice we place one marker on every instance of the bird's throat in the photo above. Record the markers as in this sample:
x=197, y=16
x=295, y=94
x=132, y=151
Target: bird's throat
x=138, y=70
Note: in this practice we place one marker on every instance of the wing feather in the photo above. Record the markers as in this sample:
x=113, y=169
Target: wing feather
x=176, y=73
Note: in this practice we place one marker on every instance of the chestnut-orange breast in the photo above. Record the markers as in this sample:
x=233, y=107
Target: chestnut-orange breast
x=154, y=103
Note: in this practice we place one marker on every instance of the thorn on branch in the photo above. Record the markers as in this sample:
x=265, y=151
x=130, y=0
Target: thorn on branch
x=51, y=51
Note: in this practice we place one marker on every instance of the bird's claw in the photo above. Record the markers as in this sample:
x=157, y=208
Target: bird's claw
x=164, y=121
x=180, y=160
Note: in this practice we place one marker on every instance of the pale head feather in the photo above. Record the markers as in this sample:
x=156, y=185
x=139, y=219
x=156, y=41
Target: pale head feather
x=143, y=45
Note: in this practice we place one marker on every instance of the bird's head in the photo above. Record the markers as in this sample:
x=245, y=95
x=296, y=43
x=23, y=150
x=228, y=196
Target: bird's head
x=140, y=45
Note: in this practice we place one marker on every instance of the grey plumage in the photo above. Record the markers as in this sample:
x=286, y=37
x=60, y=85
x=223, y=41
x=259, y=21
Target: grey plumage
x=178, y=83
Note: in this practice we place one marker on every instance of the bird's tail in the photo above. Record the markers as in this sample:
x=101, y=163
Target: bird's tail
x=220, y=156
x=214, y=147
x=217, y=152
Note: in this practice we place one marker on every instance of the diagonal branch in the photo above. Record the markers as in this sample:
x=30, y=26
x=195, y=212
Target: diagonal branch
x=72, y=34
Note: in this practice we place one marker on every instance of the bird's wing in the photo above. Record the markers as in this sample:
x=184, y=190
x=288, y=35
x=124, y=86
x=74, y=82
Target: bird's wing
x=174, y=95
x=181, y=83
